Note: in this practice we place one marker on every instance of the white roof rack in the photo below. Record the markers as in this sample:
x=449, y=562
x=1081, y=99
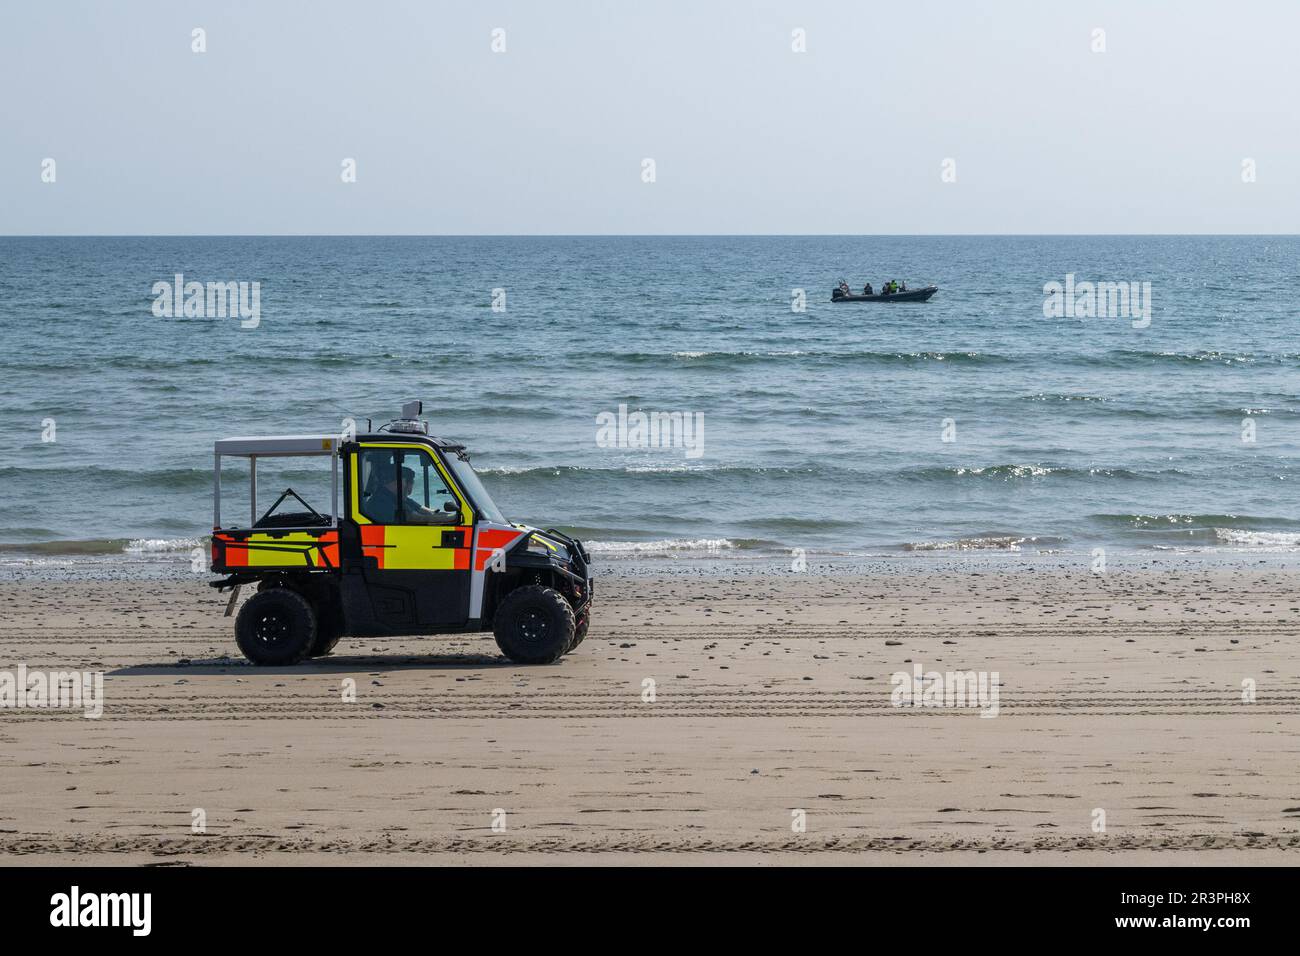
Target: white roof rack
x=278, y=445
x=273, y=446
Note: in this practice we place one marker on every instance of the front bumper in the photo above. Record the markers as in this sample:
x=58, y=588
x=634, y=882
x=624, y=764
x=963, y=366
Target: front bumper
x=579, y=570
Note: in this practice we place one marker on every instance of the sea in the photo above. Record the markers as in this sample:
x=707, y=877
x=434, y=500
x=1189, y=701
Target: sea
x=986, y=420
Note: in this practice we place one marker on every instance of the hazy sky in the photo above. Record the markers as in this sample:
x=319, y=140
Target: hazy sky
x=747, y=136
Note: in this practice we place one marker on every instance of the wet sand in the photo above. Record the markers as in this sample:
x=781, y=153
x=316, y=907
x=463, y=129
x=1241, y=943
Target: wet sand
x=1120, y=692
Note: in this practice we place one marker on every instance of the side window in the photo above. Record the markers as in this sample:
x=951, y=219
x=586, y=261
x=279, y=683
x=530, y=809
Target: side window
x=404, y=486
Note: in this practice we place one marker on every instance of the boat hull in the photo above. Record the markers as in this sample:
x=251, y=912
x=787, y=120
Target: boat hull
x=911, y=295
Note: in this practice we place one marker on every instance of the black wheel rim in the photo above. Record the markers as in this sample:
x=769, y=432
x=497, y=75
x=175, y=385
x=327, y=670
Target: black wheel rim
x=272, y=627
x=534, y=627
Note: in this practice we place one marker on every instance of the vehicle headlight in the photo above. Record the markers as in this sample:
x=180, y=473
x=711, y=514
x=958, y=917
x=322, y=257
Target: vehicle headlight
x=544, y=546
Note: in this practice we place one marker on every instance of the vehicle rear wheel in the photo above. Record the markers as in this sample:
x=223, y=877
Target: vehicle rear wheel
x=275, y=628
x=328, y=631
x=534, y=625
x=329, y=622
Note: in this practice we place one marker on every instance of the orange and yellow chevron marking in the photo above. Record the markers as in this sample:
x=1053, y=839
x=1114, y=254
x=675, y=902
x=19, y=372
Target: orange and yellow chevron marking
x=327, y=555
x=414, y=547
x=291, y=549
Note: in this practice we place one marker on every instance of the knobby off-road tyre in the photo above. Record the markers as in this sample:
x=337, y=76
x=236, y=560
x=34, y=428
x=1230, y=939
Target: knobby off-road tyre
x=534, y=625
x=329, y=624
x=329, y=629
x=580, y=632
x=276, y=628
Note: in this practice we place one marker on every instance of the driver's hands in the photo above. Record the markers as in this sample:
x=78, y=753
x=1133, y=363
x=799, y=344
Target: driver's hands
x=429, y=516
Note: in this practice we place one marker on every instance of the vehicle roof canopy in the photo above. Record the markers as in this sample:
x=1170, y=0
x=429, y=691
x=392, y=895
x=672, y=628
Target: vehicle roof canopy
x=278, y=445
x=286, y=445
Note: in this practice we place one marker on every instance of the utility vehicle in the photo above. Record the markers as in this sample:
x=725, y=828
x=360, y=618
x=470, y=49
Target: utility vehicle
x=417, y=547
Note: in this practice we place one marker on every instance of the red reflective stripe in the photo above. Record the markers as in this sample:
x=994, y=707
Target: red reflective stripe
x=236, y=555
x=493, y=538
x=489, y=540
x=461, y=558
x=372, y=542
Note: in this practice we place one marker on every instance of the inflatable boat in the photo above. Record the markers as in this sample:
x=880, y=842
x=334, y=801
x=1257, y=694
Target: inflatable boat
x=911, y=295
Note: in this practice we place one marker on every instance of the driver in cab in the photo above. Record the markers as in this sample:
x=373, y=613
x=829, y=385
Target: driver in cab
x=383, y=504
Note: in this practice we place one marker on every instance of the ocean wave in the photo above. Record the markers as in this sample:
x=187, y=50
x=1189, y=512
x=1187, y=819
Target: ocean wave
x=771, y=353
x=1255, y=411
x=68, y=548
x=1184, y=521
x=160, y=545
x=501, y=410
x=849, y=357
x=1062, y=397
x=276, y=359
x=1013, y=472
x=696, y=470
x=1114, y=358
x=705, y=545
x=1110, y=407
x=1205, y=532
x=673, y=469
x=996, y=542
x=103, y=546
x=1232, y=539
x=281, y=359
x=1258, y=540
x=1128, y=357
x=790, y=523
x=168, y=479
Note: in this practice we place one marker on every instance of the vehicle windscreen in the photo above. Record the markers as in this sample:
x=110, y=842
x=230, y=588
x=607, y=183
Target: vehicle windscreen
x=468, y=480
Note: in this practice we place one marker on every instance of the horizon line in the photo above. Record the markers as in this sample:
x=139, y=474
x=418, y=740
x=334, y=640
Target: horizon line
x=650, y=235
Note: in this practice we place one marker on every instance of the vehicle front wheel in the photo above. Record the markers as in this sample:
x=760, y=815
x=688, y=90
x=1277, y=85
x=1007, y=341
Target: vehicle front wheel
x=275, y=628
x=580, y=631
x=534, y=625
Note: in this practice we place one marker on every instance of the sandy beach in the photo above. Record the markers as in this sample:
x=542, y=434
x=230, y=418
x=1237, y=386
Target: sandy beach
x=771, y=695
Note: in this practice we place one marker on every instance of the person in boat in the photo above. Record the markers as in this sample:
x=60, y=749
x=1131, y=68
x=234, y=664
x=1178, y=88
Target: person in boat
x=866, y=289
x=903, y=286
x=844, y=287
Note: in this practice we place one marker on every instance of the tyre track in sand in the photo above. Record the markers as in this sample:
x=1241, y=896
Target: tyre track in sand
x=216, y=845
x=670, y=703
x=764, y=702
